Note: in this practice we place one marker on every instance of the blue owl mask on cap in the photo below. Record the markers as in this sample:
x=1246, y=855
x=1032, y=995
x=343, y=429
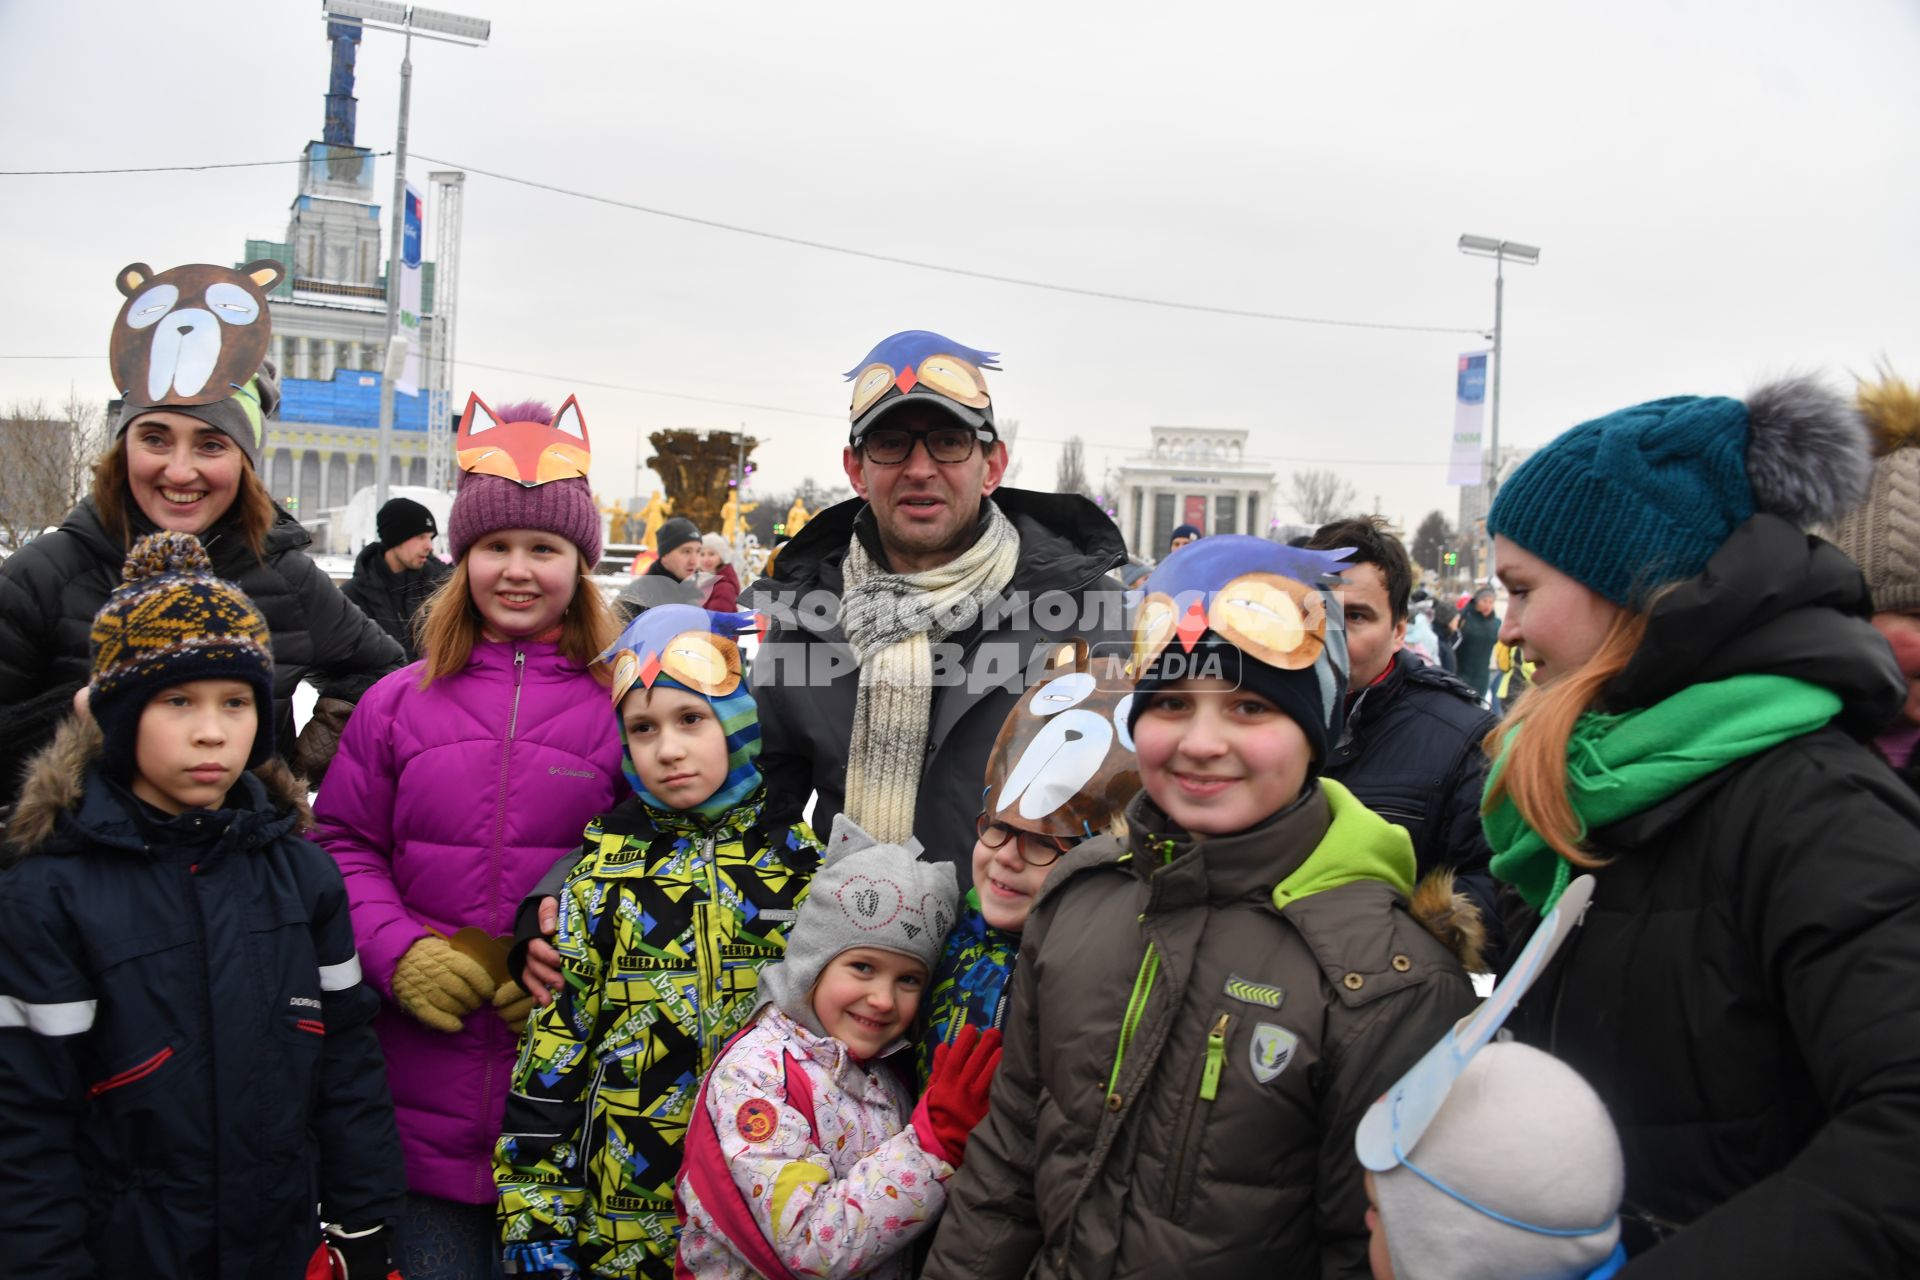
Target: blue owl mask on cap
x=918, y=366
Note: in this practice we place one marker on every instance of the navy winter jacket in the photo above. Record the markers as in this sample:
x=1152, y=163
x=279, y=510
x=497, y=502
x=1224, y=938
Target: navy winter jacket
x=187, y=1065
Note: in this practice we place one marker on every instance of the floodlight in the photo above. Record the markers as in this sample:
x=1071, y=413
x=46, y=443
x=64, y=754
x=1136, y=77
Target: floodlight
x=453, y=24
x=367, y=10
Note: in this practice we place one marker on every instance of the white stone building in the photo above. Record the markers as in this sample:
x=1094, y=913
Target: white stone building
x=1191, y=475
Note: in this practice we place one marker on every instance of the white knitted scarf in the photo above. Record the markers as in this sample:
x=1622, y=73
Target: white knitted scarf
x=893, y=620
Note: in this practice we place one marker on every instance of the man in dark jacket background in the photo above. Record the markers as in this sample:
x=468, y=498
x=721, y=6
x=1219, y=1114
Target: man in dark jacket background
x=394, y=576
x=920, y=604
x=1410, y=746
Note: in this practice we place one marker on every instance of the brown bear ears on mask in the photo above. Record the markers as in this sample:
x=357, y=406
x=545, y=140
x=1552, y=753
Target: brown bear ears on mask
x=1063, y=763
x=191, y=334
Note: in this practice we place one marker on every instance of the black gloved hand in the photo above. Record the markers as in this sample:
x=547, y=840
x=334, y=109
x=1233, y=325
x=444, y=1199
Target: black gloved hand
x=361, y=1254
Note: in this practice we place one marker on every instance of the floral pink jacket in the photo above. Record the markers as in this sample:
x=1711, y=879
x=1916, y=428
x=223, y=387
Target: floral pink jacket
x=842, y=1195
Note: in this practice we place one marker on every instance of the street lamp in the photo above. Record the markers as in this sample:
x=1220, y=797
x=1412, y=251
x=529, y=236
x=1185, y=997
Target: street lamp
x=409, y=21
x=1502, y=252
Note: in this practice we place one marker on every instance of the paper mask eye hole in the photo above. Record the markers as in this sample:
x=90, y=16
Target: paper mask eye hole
x=701, y=663
x=1060, y=693
x=231, y=304
x=1261, y=615
x=149, y=307
x=871, y=383
x=626, y=671
x=1152, y=630
x=955, y=379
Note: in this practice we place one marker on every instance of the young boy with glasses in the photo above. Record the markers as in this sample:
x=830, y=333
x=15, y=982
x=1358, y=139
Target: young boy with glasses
x=1040, y=802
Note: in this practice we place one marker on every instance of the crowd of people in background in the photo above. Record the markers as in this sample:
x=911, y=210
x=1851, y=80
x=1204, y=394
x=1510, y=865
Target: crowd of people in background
x=1143, y=934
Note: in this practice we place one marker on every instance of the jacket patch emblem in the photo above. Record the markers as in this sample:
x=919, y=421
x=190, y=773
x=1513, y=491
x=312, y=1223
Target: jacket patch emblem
x=756, y=1120
x=1270, y=1050
x=1260, y=993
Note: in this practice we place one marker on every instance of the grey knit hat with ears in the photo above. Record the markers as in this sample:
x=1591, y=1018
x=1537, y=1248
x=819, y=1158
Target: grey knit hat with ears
x=1524, y=1135
x=865, y=894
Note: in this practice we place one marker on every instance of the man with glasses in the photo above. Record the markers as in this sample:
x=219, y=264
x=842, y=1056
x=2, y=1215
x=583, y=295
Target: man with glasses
x=905, y=619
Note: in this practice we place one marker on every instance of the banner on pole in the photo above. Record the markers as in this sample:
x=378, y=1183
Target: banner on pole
x=1469, y=414
x=411, y=234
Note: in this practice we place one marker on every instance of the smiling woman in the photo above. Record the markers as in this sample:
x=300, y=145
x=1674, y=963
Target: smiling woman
x=184, y=459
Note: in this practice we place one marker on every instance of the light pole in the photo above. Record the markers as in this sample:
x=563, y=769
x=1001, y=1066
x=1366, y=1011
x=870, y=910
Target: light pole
x=408, y=21
x=1502, y=252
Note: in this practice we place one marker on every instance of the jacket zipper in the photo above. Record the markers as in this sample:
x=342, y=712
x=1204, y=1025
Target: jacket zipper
x=499, y=841
x=1209, y=1089
x=706, y=957
x=1136, y=1008
x=131, y=1074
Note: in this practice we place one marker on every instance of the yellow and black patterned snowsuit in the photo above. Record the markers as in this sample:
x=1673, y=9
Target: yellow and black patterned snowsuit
x=664, y=925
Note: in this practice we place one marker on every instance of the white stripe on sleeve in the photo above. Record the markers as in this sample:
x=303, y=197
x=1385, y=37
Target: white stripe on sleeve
x=68, y=1019
x=338, y=977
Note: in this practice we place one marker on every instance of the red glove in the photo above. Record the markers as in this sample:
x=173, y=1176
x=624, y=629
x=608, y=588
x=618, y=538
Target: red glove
x=956, y=1096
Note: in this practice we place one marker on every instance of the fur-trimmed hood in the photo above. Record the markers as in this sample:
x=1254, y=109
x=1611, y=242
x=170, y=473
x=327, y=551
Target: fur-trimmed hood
x=1452, y=917
x=57, y=779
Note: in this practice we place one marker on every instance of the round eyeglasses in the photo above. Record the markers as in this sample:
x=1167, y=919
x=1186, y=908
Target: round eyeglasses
x=1036, y=850
x=889, y=447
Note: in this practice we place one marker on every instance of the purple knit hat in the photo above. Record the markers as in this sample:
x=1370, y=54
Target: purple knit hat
x=488, y=503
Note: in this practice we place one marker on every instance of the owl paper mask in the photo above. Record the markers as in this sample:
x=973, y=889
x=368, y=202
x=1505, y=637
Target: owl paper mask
x=527, y=451
x=191, y=335
x=689, y=644
x=1063, y=764
x=923, y=367
x=1266, y=599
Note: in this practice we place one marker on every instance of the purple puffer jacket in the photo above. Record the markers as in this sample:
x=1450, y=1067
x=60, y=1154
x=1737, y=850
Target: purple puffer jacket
x=443, y=808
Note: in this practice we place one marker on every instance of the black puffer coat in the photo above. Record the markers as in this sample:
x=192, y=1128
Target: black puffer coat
x=187, y=1062
x=806, y=679
x=394, y=599
x=1745, y=991
x=1410, y=751
x=51, y=588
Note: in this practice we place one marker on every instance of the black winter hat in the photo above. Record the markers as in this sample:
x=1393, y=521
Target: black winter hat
x=402, y=519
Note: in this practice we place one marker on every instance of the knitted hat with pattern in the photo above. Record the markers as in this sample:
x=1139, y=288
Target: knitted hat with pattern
x=866, y=894
x=171, y=621
x=1644, y=496
x=1882, y=534
x=241, y=417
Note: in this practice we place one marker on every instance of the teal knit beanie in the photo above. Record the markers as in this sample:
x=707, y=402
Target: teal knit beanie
x=1644, y=496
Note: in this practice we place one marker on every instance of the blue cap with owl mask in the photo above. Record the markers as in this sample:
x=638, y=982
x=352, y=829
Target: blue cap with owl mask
x=1258, y=614
x=682, y=646
x=920, y=367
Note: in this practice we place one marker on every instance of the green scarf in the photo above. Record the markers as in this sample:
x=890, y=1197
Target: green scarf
x=1620, y=765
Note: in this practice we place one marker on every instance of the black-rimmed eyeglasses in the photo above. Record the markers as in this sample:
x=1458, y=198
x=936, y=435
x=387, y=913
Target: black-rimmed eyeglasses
x=889, y=447
x=1036, y=850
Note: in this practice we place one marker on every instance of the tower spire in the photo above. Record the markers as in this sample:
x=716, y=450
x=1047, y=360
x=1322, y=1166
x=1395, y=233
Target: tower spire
x=343, y=36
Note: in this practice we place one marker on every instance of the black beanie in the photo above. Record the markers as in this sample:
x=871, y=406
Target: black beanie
x=676, y=532
x=1300, y=695
x=401, y=519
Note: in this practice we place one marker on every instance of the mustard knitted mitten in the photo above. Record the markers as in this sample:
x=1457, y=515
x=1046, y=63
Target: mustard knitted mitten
x=513, y=1004
x=438, y=985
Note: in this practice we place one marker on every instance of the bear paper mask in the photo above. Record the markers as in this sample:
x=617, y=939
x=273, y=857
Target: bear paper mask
x=1063, y=764
x=193, y=335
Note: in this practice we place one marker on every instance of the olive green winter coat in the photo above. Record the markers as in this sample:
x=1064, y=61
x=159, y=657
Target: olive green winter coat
x=1196, y=1028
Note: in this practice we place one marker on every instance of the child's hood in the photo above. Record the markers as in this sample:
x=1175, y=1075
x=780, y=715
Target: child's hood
x=56, y=784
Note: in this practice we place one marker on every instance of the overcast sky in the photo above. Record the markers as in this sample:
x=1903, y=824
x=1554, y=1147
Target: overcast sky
x=1721, y=191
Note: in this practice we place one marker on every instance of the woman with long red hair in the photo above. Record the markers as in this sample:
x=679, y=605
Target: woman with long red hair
x=1744, y=991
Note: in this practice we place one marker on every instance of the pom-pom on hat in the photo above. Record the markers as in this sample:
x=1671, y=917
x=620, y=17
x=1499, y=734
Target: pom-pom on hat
x=171, y=621
x=524, y=468
x=865, y=894
x=1882, y=533
x=1644, y=496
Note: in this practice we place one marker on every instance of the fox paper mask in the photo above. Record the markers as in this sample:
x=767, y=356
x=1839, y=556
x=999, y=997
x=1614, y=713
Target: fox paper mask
x=528, y=452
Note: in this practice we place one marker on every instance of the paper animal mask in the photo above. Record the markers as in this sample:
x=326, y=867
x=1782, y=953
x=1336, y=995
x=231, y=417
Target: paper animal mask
x=523, y=449
x=191, y=335
x=1263, y=597
x=1063, y=763
x=685, y=642
x=918, y=364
